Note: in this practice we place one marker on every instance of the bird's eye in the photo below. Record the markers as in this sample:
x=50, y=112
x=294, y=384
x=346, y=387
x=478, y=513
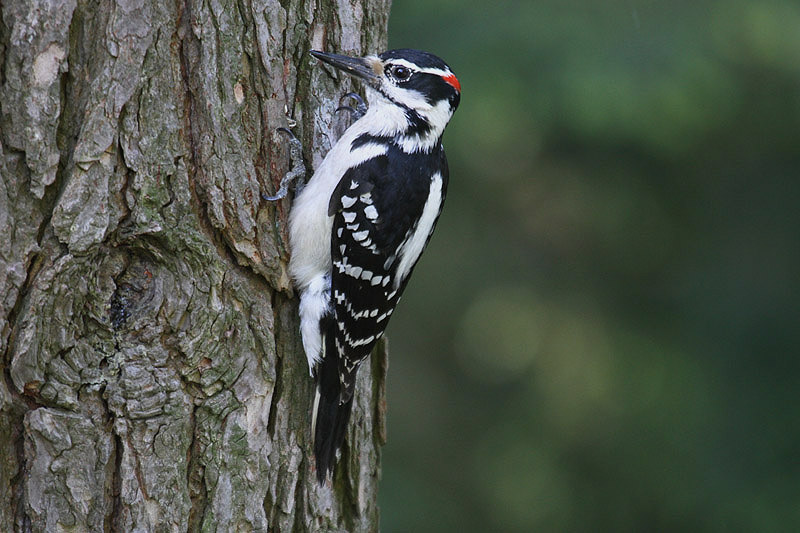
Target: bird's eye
x=399, y=72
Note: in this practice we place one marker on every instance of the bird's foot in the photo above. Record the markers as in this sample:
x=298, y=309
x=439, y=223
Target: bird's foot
x=298, y=170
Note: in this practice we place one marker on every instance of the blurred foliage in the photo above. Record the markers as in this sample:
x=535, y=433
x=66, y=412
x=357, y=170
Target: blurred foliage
x=603, y=334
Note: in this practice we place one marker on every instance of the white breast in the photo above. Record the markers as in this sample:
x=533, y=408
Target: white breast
x=309, y=223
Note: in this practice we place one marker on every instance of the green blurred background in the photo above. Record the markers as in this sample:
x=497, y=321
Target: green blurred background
x=603, y=334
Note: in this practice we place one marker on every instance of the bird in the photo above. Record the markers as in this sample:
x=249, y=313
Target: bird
x=359, y=225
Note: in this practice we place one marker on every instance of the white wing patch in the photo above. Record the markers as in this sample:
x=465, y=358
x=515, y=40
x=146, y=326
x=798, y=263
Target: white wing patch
x=415, y=241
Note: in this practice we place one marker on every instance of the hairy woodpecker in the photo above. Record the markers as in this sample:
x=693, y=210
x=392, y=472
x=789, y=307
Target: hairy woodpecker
x=359, y=225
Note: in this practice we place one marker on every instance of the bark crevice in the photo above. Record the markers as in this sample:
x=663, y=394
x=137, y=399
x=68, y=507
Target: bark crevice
x=114, y=518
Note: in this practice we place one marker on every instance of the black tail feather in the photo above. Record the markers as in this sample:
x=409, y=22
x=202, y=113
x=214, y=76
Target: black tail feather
x=332, y=417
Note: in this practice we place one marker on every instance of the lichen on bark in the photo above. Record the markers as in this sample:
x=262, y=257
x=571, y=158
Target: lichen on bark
x=153, y=378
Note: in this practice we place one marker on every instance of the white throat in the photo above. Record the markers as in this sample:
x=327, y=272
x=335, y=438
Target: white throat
x=385, y=118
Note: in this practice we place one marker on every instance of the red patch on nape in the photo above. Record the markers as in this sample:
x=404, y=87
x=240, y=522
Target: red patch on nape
x=452, y=80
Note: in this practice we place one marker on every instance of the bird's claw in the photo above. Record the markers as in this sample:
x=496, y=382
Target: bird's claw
x=360, y=108
x=298, y=167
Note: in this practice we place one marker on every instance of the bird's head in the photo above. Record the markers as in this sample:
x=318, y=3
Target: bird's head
x=419, y=84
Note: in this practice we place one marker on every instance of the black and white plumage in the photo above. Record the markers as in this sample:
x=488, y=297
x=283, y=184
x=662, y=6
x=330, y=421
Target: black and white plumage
x=360, y=224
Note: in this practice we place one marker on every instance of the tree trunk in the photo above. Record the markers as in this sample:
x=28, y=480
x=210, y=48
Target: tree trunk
x=153, y=375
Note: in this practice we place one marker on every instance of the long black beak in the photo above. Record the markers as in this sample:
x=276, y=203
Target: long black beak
x=355, y=66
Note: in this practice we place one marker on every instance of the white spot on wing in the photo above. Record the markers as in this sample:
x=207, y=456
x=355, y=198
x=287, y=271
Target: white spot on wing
x=355, y=343
x=354, y=271
x=370, y=212
x=348, y=201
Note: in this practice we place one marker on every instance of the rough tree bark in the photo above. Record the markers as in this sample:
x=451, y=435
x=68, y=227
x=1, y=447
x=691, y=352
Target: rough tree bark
x=153, y=378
